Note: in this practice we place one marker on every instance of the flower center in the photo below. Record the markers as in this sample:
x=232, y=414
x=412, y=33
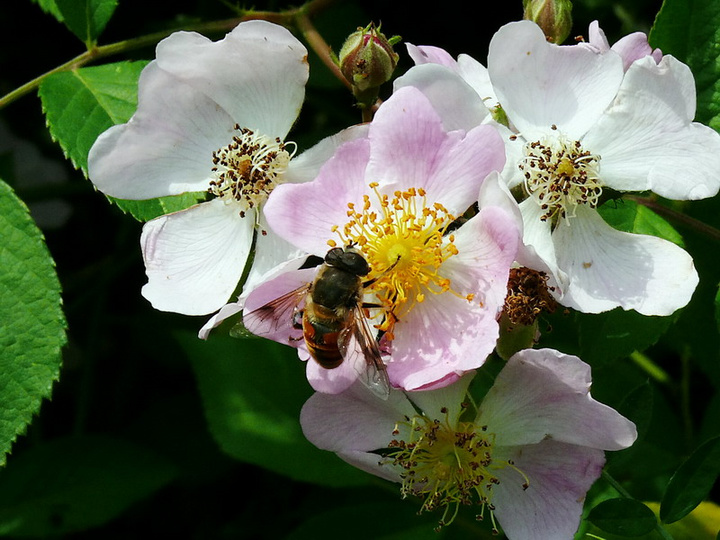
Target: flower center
x=404, y=242
x=560, y=176
x=249, y=168
x=448, y=464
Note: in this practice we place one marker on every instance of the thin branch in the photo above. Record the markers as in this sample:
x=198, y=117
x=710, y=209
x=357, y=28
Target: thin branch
x=285, y=18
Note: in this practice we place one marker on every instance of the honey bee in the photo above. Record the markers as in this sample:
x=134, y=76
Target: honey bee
x=332, y=321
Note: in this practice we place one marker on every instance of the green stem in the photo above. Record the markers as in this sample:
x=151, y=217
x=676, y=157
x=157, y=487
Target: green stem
x=622, y=491
x=285, y=18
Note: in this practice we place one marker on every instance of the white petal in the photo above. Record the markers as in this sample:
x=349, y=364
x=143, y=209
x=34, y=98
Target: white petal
x=647, y=139
x=257, y=73
x=478, y=77
x=540, y=84
x=166, y=147
x=550, y=508
x=454, y=100
x=194, y=258
x=607, y=268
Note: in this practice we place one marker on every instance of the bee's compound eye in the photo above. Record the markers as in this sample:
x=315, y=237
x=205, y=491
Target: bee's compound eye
x=355, y=263
x=334, y=256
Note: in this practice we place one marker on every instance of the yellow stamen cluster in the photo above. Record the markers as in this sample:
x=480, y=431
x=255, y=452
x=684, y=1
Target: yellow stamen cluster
x=404, y=242
x=249, y=168
x=448, y=464
x=560, y=175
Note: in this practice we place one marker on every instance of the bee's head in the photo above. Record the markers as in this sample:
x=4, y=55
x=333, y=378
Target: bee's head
x=348, y=259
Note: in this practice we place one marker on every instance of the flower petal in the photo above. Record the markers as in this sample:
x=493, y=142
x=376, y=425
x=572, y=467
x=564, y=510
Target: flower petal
x=647, y=139
x=544, y=394
x=550, y=508
x=257, y=73
x=427, y=347
x=304, y=214
x=607, y=268
x=355, y=420
x=194, y=258
x=540, y=84
x=271, y=308
x=411, y=149
x=166, y=147
x=454, y=100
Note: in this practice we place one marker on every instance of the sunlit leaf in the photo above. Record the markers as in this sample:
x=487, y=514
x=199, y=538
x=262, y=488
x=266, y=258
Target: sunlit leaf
x=624, y=517
x=72, y=484
x=692, y=482
x=32, y=324
x=628, y=216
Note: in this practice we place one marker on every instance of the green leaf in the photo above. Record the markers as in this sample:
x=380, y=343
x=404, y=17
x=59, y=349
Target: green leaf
x=692, y=36
x=252, y=391
x=617, y=333
x=72, y=484
x=392, y=519
x=624, y=517
x=628, y=216
x=32, y=323
x=692, y=482
x=86, y=18
x=79, y=105
x=151, y=208
x=82, y=104
x=717, y=309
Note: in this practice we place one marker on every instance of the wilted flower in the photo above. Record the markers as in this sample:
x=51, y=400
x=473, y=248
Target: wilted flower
x=212, y=116
x=399, y=196
x=581, y=124
x=526, y=455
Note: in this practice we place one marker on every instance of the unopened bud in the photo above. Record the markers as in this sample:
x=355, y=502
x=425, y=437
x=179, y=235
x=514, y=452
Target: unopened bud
x=553, y=16
x=367, y=60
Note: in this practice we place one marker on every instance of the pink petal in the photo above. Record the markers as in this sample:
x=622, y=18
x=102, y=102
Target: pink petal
x=353, y=421
x=543, y=394
x=425, y=54
x=195, y=258
x=550, y=508
x=427, y=347
x=410, y=148
x=304, y=214
x=271, y=309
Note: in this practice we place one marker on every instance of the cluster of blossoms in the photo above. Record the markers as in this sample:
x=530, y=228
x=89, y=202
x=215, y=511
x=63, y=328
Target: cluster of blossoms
x=467, y=178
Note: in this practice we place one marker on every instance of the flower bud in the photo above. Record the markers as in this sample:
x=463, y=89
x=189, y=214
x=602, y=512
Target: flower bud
x=367, y=60
x=553, y=16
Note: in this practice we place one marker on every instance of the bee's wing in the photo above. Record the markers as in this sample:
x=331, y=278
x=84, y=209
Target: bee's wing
x=358, y=345
x=278, y=318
